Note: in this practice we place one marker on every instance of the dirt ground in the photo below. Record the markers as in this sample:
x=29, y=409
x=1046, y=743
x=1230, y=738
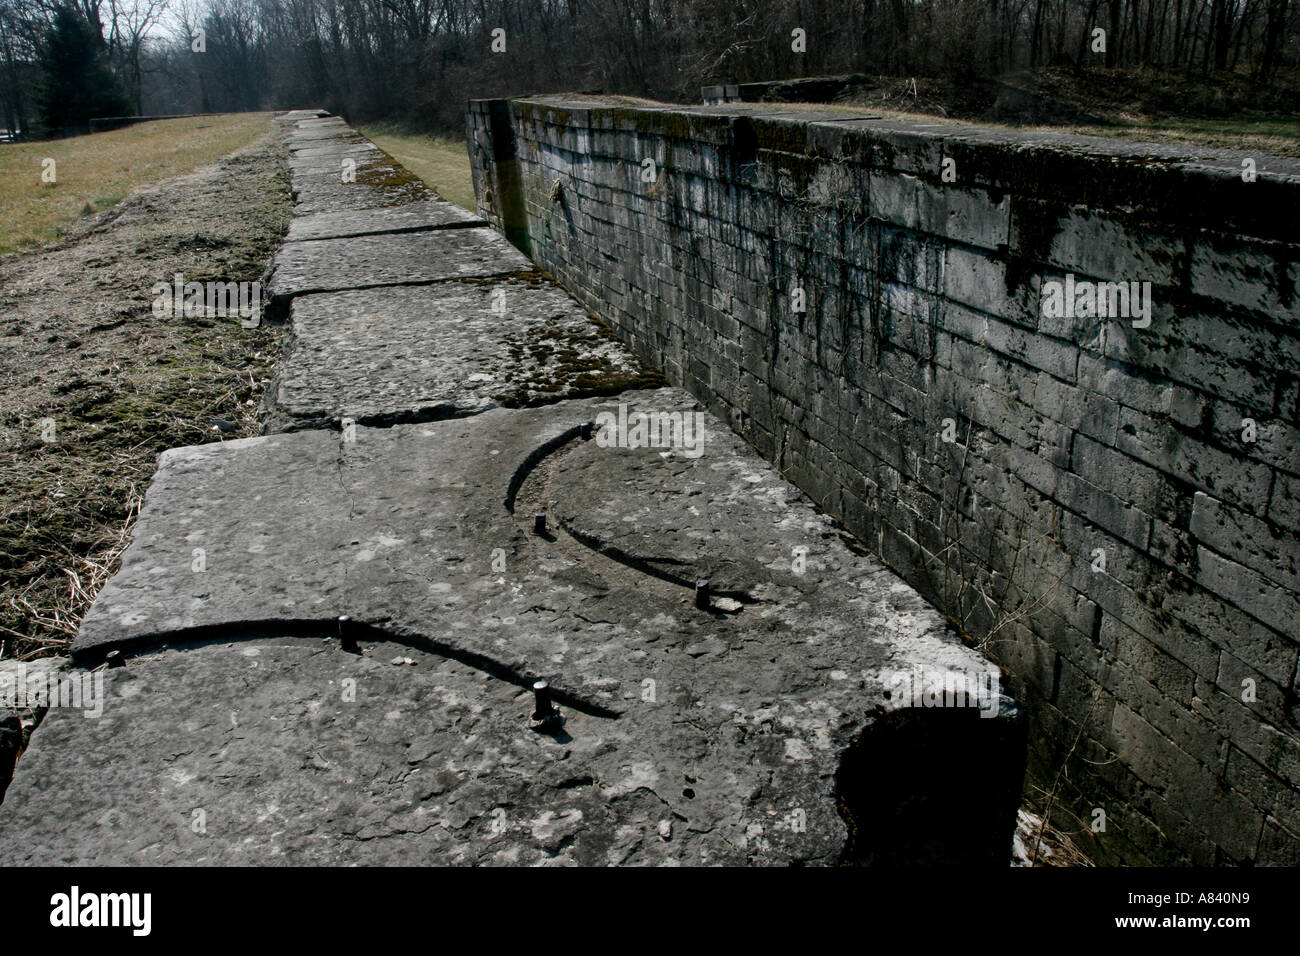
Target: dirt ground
x=81, y=347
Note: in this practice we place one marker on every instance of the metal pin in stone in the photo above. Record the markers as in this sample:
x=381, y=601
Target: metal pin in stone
x=346, y=637
x=542, y=699
x=115, y=658
x=545, y=714
x=539, y=523
x=702, y=595
x=586, y=430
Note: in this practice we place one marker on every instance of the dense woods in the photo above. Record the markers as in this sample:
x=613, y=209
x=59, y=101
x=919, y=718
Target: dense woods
x=418, y=60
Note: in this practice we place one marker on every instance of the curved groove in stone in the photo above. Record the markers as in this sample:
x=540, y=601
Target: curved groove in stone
x=326, y=629
x=395, y=230
x=535, y=458
x=592, y=543
x=594, y=546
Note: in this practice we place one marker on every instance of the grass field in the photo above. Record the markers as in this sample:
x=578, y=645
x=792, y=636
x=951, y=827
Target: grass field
x=441, y=162
x=1275, y=135
x=94, y=172
x=1278, y=136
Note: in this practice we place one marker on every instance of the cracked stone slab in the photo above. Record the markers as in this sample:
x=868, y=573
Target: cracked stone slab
x=344, y=223
x=359, y=262
x=397, y=525
x=309, y=150
x=323, y=134
x=284, y=750
x=421, y=353
x=331, y=139
x=303, y=154
x=289, y=121
x=378, y=184
x=423, y=535
x=329, y=161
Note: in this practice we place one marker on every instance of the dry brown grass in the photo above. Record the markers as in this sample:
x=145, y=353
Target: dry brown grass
x=442, y=162
x=54, y=618
x=96, y=171
x=1272, y=136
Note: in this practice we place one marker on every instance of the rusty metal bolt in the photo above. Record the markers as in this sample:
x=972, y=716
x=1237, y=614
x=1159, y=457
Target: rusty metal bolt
x=543, y=708
x=546, y=716
x=346, y=637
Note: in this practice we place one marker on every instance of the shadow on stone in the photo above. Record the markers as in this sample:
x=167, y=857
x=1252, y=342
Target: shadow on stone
x=922, y=787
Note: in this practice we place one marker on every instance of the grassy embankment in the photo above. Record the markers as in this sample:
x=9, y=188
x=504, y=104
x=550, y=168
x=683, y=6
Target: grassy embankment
x=442, y=162
x=95, y=172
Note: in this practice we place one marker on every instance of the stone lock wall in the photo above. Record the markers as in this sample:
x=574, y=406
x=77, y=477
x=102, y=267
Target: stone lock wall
x=1108, y=506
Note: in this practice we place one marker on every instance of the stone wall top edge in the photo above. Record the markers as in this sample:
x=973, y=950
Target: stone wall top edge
x=1191, y=160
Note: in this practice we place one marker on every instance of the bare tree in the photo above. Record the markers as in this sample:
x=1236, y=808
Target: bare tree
x=130, y=22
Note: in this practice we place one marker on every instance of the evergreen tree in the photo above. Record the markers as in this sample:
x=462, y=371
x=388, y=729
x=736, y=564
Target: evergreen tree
x=77, y=82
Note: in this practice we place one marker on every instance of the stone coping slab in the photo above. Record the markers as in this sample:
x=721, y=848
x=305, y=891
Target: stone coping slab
x=421, y=353
x=343, y=223
x=378, y=185
x=428, y=763
x=319, y=162
x=272, y=750
x=397, y=527
x=314, y=137
x=359, y=262
x=423, y=534
x=1196, y=156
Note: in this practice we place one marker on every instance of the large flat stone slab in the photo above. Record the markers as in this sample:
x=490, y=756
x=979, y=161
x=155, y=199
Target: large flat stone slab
x=360, y=262
x=421, y=353
x=285, y=750
x=329, y=160
x=295, y=115
x=718, y=732
x=328, y=140
x=414, y=217
x=333, y=132
x=378, y=184
x=254, y=744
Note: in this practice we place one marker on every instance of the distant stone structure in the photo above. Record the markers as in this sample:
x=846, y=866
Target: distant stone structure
x=1053, y=381
x=809, y=89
